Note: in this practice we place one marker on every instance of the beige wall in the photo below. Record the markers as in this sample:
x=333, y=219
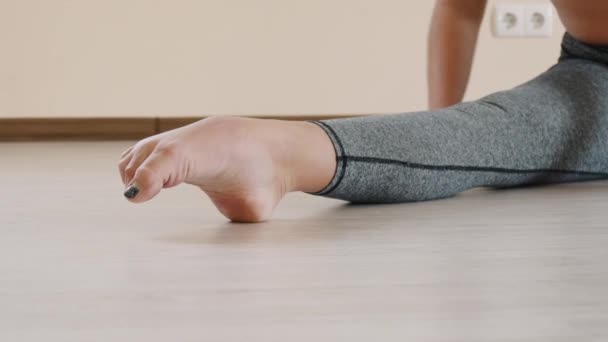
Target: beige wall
x=193, y=57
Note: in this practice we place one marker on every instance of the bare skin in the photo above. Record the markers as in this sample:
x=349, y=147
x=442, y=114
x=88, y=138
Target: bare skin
x=585, y=20
x=246, y=166
x=451, y=45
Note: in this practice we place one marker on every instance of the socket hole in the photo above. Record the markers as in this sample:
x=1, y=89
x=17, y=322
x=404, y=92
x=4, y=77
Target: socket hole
x=510, y=20
x=538, y=20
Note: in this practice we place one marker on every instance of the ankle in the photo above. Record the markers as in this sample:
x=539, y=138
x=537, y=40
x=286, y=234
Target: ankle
x=312, y=157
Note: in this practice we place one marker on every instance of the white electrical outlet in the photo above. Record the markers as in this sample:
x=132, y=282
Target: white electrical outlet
x=538, y=20
x=509, y=20
x=523, y=20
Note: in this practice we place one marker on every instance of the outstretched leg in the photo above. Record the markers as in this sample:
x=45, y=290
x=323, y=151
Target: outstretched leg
x=551, y=129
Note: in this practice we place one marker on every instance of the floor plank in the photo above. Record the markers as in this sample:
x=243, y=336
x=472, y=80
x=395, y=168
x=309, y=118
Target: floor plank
x=79, y=263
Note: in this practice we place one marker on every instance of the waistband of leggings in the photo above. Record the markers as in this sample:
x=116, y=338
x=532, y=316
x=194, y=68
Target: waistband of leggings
x=574, y=48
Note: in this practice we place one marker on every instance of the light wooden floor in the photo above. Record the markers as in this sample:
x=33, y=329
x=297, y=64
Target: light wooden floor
x=79, y=263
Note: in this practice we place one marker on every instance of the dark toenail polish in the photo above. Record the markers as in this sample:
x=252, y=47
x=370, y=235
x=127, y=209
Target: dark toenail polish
x=131, y=192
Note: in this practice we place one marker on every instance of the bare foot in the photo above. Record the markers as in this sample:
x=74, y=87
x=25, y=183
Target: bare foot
x=245, y=166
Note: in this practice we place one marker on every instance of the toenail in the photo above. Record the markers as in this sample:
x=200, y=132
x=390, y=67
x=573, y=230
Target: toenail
x=131, y=192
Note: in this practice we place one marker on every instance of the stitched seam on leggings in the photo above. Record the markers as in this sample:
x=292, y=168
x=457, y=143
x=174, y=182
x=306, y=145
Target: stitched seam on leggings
x=339, y=159
x=469, y=168
x=492, y=105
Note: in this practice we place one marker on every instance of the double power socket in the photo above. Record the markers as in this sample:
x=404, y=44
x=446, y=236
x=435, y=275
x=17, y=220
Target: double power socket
x=523, y=20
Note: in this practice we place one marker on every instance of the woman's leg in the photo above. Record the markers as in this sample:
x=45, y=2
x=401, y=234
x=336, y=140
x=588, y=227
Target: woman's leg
x=551, y=129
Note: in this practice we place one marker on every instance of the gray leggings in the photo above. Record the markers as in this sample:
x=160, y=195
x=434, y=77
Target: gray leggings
x=551, y=129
